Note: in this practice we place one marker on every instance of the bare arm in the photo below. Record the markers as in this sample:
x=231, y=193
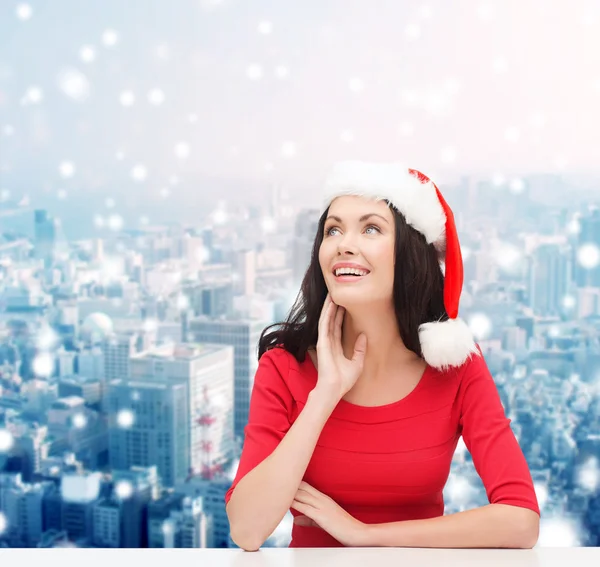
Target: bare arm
x=491, y=526
x=264, y=495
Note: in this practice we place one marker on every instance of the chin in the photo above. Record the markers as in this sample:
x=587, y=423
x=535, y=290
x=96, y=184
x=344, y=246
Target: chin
x=350, y=297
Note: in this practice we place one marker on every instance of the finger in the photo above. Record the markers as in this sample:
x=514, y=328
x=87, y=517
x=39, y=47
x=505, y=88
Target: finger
x=337, y=329
x=308, y=487
x=323, y=317
x=360, y=348
x=301, y=507
x=331, y=318
x=307, y=498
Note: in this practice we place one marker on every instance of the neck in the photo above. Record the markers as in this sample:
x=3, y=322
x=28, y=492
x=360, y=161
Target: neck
x=385, y=348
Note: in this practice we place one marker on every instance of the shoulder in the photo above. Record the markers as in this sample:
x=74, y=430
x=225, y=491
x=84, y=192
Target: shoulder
x=297, y=377
x=457, y=378
x=475, y=367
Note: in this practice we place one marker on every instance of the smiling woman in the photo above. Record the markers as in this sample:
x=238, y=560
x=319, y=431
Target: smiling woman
x=361, y=396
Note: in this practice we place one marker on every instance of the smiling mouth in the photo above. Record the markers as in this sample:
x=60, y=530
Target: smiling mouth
x=350, y=277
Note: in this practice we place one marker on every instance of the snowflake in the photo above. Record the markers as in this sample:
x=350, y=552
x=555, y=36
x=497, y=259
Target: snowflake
x=126, y=98
x=557, y=532
x=512, y=134
x=574, y=226
x=156, y=97
x=355, y=84
x=589, y=475
x=182, y=150
x=139, y=172
x=183, y=302
x=588, y=255
x=112, y=268
x=124, y=489
x=516, y=186
x=125, y=418
x=33, y=95
x=87, y=53
x=254, y=71
x=268, y=225
x=480, y=325
x=282, y=72
x=203, y=254
x=43, y=365
x=46, y=338
x=265, y=27
x=74, y=84
x=24, y=12
x=66, y=169
x=168, y=527
x=508, y=257
x=115, y=222
x=288, y=149
x=150, y=325
x=3, y=523
x=110, y=38
x=465, y=252
x=448, y=155
x=79, y=420
x=6, y=440
x=458, y=489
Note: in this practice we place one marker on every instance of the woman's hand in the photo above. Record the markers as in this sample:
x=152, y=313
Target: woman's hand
x=336, y=373
x=321, y=512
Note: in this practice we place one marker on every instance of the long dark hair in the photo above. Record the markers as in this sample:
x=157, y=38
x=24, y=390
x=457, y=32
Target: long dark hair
x=418, y=294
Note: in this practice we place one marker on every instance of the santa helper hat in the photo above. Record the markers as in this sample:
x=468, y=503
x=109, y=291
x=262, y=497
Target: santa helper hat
x=447, y=343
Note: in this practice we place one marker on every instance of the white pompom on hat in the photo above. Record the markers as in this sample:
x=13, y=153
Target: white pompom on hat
x=444, y=344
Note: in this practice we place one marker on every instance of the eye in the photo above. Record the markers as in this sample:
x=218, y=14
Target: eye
x=328, y=231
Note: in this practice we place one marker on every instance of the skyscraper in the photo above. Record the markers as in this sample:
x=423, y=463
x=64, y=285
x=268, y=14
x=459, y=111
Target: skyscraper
x=45, y=229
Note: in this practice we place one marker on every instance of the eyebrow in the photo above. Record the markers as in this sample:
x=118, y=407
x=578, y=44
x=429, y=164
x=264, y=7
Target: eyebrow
x=361, y=219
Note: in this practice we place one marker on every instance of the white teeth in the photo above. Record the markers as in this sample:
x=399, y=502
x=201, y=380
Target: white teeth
x=355, y=271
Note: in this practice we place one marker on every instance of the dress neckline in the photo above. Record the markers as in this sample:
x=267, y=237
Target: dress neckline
x=348, y=408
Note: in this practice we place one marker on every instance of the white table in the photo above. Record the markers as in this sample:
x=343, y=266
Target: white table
x=308, y=557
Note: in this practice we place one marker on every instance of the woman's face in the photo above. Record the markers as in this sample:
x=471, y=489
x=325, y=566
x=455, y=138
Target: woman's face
x=359, y=232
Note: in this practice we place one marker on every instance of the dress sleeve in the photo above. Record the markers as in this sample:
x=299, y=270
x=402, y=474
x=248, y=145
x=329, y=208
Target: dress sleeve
x=269, y=413
x=487, y=434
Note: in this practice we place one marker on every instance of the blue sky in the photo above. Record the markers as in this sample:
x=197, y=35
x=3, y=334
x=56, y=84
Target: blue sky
x=255, y=92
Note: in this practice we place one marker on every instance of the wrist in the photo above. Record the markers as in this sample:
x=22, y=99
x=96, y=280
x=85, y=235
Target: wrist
x=324, y=397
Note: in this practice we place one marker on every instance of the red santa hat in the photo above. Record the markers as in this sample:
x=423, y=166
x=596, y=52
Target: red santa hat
x=443, y=343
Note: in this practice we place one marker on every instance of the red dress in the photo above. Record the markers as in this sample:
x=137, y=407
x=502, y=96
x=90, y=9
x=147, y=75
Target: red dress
x=389, y=463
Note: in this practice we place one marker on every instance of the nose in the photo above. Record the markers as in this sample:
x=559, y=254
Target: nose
x=346, y=245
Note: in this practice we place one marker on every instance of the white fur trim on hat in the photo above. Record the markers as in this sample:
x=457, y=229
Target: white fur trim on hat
x=446, y=343
x=417, y=201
